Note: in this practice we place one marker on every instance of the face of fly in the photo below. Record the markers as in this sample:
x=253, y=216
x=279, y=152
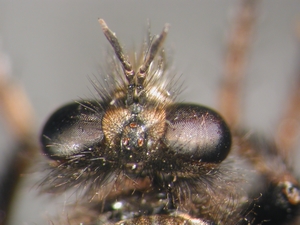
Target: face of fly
x=136, y=132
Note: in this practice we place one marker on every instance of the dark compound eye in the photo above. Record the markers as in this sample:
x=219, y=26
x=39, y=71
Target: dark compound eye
x=72, y=129
x=197, y=132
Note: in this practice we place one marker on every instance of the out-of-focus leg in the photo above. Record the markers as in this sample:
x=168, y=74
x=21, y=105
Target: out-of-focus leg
x=240, y=38
x=18, y=114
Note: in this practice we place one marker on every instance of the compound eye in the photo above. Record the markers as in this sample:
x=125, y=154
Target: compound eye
x=74, y=128
x=197, y=132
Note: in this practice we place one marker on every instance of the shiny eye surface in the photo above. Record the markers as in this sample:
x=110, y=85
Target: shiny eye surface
x=197, y=132
x=71, y=129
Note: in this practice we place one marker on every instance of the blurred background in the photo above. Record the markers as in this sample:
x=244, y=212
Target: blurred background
x=55, y=46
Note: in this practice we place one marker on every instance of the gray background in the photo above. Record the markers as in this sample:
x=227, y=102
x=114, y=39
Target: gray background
x=54, y=46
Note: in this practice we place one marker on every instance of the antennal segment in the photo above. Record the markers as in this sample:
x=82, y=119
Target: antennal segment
x=129, y=73
x=111, y=37
x=153, y=49
x=136, y=84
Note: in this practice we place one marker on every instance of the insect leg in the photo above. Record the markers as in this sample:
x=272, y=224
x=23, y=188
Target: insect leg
x=235, y=63
x=18, y=115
